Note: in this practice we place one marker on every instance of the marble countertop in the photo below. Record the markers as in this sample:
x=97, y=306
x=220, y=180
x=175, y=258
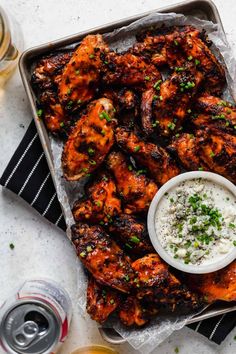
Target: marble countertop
x=42, y=250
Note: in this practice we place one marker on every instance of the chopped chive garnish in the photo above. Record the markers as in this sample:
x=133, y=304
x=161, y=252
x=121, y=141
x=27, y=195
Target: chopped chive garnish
x=137, y=148
x=135, y=239
x=105, y=115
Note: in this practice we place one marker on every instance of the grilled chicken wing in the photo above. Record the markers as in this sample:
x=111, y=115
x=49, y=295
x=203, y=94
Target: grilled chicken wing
x=220, y=285
x=166, y=109
x=215, y=112
x=80, y=76
x=195, y=49
x=136, y=191
x=90, y=140
x=123, y=99
x=160, y=45
x=177, y=45
x=156, y=159
x=53, y=113
x=129, y=70
x=132, y=313
x=132, y=233
x=186, y=148
x=46, y=71
x=155, y=282
x=102, y=257
x=101, y=204
x=101, y=301
x=45, y=82
x=218, y=151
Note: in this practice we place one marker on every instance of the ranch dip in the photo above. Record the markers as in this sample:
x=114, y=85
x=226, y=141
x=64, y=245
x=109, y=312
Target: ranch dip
x=196, y=222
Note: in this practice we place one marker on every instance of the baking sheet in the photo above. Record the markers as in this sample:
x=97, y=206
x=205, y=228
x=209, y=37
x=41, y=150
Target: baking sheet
x=146, y=339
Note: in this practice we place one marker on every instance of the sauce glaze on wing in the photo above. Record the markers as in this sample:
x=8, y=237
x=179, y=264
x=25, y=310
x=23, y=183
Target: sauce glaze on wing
x=90, y=140
x=80, y=76
x=101, y=301
x=132, y=234
x=136, y=190
x=101, y=203
x=220, y=285
x=186, y=148
x=103, y=258
x=156, y=159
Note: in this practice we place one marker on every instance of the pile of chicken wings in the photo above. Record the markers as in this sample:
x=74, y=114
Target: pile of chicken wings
x=131, y=121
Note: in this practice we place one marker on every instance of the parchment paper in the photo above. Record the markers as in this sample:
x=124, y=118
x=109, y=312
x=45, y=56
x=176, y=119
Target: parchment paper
x=145, y=339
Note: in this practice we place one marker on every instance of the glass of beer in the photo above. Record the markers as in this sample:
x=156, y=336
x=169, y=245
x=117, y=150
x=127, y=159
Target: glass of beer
x=95, y=349
x=11, y=43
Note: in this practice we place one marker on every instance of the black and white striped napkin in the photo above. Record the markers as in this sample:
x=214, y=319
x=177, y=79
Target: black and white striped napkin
x=27, y=175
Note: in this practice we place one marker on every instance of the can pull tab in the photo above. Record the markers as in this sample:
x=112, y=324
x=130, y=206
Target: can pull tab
x=26, y=333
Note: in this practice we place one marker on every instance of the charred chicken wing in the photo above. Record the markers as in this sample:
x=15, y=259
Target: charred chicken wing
x=101, y=301
x=155, y=282
x=90, y=140
x=136, y=191
x=124, y=100
x=196, y=50
x=129, y=70
x=45, y=74
x=81, y=75
x=186, y=148
x=102, y=257
x=132, y=313
x=218, y=151
x=101, y=204
x=45, y=81
x=220, y=285
x=156, y=159
x=177, y=45
x=132, y=233
x=215, y=112
x=160, y=45
x=167, y=108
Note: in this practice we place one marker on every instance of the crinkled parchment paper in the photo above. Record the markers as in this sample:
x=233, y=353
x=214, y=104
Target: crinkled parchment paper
x=145, y=339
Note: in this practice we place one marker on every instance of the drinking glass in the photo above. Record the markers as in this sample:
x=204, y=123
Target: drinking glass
x=95, y=349
x=11, y=44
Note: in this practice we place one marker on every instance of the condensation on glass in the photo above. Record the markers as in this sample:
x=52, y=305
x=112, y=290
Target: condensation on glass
x=10, y=45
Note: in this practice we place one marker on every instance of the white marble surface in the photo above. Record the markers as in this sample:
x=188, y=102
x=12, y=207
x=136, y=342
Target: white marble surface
x=40, y=248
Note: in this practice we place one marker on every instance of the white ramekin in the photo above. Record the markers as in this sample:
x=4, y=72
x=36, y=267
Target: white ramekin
x=172, y=183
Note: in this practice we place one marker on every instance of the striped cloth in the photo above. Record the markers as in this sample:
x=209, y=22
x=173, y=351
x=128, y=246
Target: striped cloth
x=27, y=175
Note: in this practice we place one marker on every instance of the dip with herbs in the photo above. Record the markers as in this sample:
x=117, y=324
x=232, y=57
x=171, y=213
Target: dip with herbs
x=196, y=221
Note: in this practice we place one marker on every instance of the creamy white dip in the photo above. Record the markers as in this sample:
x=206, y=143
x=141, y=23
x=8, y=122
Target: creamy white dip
x=196, y=221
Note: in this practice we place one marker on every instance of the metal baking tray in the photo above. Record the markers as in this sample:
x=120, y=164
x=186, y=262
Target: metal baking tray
x=203, y=9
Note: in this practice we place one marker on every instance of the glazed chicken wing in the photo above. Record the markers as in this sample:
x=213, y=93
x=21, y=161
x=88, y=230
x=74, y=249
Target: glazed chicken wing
x=101, y=301
x=46, y=71
x=218, y=151
x=155, y=282
x=44, y=80
x=124, y=100
x=131, y=233
x=215, y=112
x=167, y=106
x=103, y=258
x=196, y=50
x=132, y=313
x=80, y=76
x=90, y=140
x=160, y=45
x=156, y=159
x=220, y=285
x=101, y=203
x=129, y=70
x=186, y=148
x=177, y=45
x=136, y=191
x=53, y=114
